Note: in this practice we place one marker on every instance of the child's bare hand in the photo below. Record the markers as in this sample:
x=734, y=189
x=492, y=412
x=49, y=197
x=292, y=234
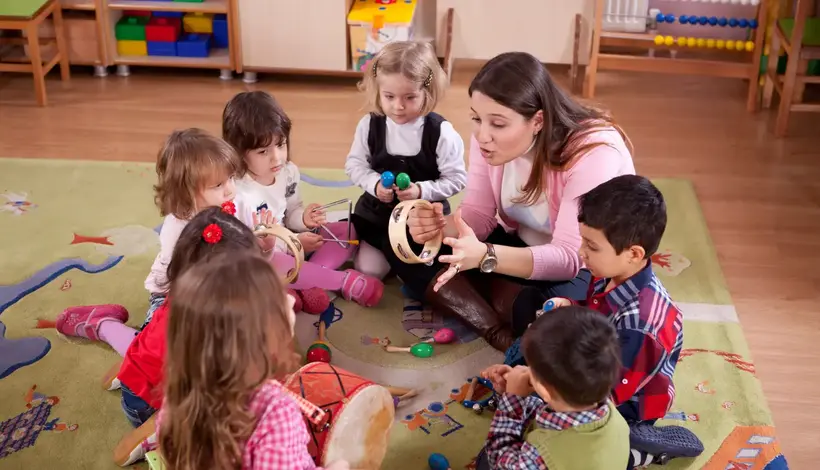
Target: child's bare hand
x=263, y=217
x=497, y=374
x=310, y=241
x=313, y=216
x=385, y=195
x=518, y=381
x=412, y=192
x=338, y=465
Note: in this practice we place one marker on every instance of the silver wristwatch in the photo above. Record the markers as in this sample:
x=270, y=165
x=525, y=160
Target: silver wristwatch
x=489, y=262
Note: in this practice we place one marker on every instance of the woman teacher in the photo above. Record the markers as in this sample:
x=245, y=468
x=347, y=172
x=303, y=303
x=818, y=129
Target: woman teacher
x=534, y=151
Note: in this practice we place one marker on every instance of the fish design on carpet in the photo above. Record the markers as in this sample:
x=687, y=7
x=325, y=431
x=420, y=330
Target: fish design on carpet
x=117, y=242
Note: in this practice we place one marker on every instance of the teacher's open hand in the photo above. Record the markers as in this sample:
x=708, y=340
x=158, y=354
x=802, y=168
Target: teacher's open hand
x=467, y=251
x=426, y=224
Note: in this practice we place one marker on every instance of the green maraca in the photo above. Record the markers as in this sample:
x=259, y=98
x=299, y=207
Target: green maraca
x=403, y=181
x=423, y=350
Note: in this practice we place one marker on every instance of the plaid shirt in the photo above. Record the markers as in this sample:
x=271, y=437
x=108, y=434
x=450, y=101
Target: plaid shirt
x=650, y=328
x=280, y=439
x=506, y=447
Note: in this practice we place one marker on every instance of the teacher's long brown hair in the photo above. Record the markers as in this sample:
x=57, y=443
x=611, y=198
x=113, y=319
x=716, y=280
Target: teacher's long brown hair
x=520, y=82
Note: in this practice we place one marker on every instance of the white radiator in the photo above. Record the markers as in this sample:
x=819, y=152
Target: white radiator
x=626, y=15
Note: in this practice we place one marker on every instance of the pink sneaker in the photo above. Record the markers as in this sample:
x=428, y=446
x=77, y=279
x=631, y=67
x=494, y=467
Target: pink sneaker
x=84, y=321
x=314, y=300
x=297, y=306
x=362, y=289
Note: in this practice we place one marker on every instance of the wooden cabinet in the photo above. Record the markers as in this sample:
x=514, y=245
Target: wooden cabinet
x=294, y=34
x=483, y=29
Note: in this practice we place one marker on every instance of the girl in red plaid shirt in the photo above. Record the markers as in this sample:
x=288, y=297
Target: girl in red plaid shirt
x=230, y=342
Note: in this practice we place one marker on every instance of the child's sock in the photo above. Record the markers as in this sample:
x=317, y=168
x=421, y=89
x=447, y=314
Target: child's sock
x=331, y=254
x=117, y=335
x=371, y=261
x=310, y=275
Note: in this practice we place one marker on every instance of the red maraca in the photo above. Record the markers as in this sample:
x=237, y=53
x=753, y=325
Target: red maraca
x=319, y=351
x=442, y=336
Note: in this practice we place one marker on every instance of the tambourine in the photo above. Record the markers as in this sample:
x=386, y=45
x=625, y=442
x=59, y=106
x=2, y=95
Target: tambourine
x=397, y=231
x=293, y=244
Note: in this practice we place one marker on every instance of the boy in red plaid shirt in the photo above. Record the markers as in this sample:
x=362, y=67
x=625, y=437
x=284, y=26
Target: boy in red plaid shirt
x=621, y=224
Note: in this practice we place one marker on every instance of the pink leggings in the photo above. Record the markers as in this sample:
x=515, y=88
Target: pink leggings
x=321, y=270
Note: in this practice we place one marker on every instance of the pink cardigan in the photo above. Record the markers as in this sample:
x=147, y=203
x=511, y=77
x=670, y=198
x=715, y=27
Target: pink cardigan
x=559, y=259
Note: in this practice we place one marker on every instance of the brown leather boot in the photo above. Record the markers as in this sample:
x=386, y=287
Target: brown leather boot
x=459, y=298
x=515, y=303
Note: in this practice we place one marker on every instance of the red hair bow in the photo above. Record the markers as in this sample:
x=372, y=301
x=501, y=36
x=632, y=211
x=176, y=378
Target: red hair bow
x=229, y=207
x=212, y=234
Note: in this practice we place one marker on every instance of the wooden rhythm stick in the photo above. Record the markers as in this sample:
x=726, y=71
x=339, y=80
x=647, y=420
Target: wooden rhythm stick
x=292, y=243
x=397, y=231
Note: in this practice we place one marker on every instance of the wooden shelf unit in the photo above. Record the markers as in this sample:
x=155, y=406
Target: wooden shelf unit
x=732, y=63
x=223, y=59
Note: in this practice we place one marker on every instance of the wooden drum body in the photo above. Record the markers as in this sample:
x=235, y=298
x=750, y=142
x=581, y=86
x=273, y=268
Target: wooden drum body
x=360, y=415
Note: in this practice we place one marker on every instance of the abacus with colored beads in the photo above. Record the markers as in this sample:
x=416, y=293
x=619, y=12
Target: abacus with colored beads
x=744, y=65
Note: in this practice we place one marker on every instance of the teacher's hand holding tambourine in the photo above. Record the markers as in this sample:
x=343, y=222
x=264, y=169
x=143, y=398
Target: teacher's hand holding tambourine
x=397, y=231
x=426, y=224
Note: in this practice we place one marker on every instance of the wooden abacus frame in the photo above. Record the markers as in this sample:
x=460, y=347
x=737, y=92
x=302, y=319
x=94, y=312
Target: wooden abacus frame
x=749, y=70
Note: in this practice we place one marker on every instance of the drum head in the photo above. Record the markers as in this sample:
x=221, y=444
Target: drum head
x=359, y=433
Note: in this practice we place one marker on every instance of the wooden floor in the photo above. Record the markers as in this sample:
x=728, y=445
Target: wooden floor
x=760, y=196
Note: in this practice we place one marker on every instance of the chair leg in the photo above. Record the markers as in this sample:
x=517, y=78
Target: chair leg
x=801, y=12
x=62, y=49
x=592, y=68
x=771, y=71
x=800, y=87
x=785, y=108
x=36, y=63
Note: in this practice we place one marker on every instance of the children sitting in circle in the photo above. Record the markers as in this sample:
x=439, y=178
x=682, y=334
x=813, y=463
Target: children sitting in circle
x=402, y=134
x=140, y=374
x=230, y=337
x=258, y=128
x=621, y=224
x=556, y=413
x=195, y=170
x=202, y=377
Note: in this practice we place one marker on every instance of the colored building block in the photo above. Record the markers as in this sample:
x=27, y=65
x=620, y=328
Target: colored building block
x=162, y=48
x=127, y=47
x=163, y=30
x=221, y=30
x=131, y=28
x=167, y=14
x=198, y=23
x=194, y=45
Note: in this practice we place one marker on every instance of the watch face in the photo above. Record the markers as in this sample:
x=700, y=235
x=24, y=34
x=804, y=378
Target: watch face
x=488, y=265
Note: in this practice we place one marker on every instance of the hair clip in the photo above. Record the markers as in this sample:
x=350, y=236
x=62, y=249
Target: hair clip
x=429, y=80
x=212, y=234
x=374, y=69
x=229, y=207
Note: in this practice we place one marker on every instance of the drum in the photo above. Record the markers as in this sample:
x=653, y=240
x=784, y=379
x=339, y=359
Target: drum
x=359, y=415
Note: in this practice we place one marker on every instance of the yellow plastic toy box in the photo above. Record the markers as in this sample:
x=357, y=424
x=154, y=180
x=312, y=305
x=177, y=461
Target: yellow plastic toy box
x=374, y=23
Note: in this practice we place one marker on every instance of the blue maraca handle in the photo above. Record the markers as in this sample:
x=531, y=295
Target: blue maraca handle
x=388, y=179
